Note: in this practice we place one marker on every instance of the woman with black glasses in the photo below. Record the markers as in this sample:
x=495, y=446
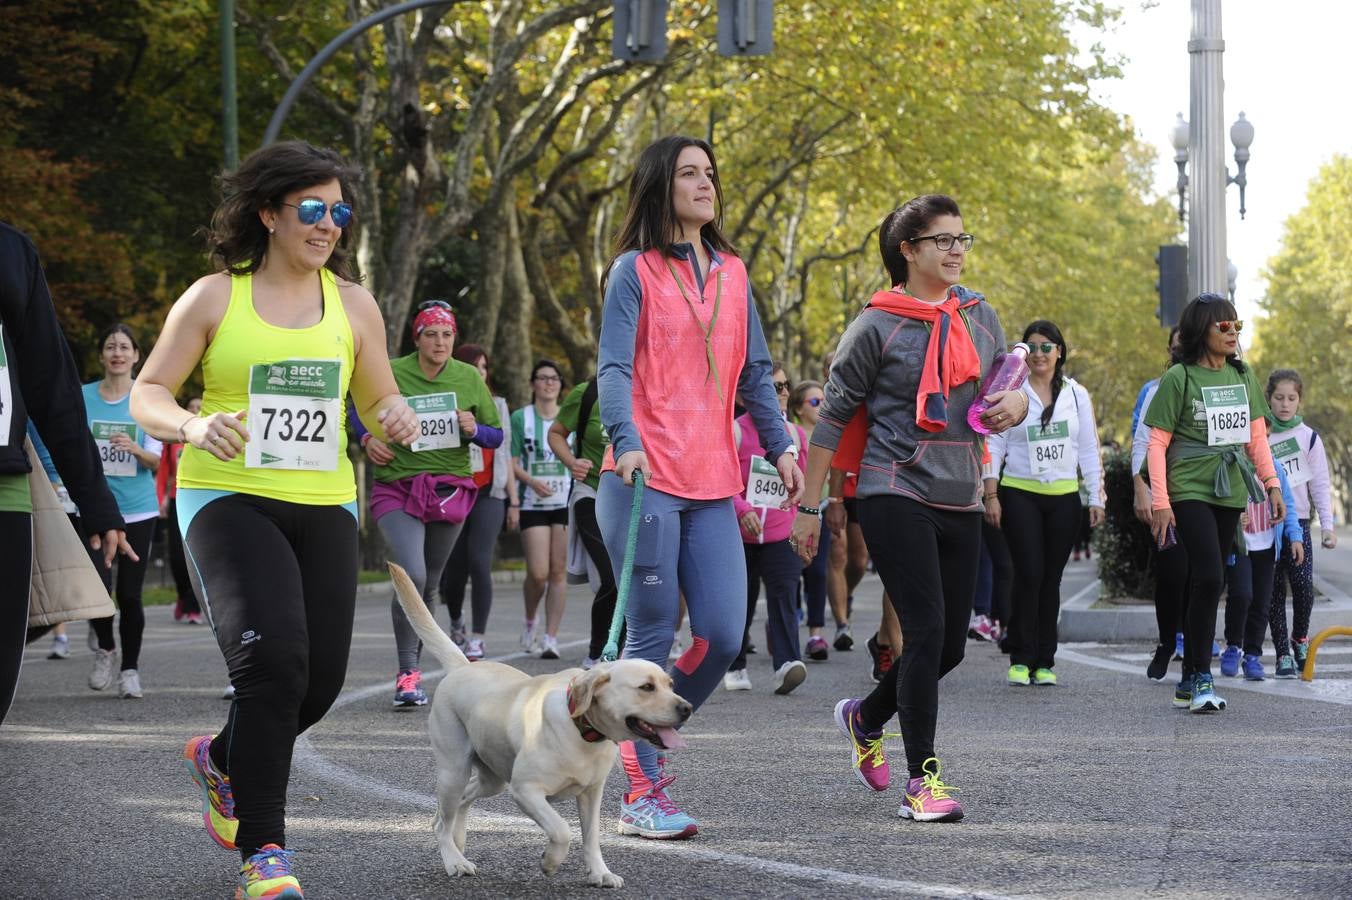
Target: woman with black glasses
x=905, y=375
x=267, y=499
x=1032, y=495
x=1207, y=437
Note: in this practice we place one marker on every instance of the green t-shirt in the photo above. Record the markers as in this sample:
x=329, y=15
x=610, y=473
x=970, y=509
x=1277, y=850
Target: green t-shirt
x=14, y=494
x=1194, y=402
x=593, y=438
x=457, y=386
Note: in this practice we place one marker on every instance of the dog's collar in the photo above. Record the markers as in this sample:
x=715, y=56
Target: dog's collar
x=584, y=728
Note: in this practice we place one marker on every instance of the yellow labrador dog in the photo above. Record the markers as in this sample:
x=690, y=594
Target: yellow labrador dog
x=494, y=727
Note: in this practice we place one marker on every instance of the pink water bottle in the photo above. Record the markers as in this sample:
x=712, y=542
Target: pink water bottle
x=1007, y=374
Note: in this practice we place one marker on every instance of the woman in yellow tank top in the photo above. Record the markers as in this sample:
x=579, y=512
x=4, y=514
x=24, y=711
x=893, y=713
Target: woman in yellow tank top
x=266, y=496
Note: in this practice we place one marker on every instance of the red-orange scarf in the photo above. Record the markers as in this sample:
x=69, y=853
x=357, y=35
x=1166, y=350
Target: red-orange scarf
x=950, y=360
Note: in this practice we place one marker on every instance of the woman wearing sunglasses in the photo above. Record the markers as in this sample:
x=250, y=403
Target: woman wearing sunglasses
x=1033, y=496
x=819, y=582
x=266, y=494
x=423, y=493
x=679, y=337
x=1207, y=437
x=905, y=374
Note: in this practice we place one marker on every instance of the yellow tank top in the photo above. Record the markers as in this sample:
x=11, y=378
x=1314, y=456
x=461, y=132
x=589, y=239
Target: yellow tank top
x=244, y=341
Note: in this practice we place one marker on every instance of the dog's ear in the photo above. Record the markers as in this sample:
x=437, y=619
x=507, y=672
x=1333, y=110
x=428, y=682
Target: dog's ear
x=584, y=688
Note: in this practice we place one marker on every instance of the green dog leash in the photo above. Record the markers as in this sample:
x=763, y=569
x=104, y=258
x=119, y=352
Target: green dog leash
x=612, y=649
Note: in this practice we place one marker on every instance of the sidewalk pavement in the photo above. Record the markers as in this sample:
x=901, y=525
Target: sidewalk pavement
x=1086, y=617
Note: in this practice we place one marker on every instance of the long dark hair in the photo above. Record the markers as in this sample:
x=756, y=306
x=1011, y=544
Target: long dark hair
x=120, y=328
x=1042, y=326
x=650, y=221
x=237, y=240
x=1196, y=320
x=471, y=353
x=906, y=222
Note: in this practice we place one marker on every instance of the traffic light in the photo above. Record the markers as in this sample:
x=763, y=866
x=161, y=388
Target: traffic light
x=1172, y=285
x=745, y=28
x=640, y=30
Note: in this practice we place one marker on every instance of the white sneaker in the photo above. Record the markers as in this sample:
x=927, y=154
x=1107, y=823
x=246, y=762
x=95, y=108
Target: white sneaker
x=101, y=676
x=549, y=649
x=474, y=650
x=60, y=647
x=528, y=637
x=789, y=676
x=737, y=680
x=228, y=693
x=588, y=664
x=129, y=685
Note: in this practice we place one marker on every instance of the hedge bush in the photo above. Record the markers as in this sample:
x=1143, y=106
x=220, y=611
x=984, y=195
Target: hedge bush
x=1122, y=542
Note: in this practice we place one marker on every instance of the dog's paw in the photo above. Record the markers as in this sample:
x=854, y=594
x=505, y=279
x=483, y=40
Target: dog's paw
x=463, y=868
x=604, y=878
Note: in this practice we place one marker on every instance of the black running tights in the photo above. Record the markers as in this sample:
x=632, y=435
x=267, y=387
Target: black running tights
x=1207, y=533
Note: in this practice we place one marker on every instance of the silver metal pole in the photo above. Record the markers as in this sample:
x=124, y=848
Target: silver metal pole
x=1207, y=262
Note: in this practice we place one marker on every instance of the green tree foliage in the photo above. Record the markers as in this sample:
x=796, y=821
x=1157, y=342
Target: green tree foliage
x=1307, y=313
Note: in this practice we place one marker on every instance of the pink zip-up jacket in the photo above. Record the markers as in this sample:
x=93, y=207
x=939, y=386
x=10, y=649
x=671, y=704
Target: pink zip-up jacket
x=775, y=523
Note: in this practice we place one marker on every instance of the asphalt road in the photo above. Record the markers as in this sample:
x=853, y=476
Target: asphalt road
x=1096, y=787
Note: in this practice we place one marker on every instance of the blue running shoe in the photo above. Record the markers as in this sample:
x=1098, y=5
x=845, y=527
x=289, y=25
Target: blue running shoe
x=1230, y=661
x=1215, y=649
x=1178, y=646
x=1183, y=693
x=1253, y=668
x=655, y=815
x=1204, y=696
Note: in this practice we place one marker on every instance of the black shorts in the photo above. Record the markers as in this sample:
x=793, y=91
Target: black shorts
x=851, y=510
x=538, y=518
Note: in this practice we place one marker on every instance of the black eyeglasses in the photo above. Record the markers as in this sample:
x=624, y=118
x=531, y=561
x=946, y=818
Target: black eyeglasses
x=781, y=386
x=945, y=241
x=310, y=211
x=548, y=379
x=433, y=304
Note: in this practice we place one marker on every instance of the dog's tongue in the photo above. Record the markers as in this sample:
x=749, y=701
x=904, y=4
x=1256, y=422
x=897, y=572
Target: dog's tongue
x=670, y=737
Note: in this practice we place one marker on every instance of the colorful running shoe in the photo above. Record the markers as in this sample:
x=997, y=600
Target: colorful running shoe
x=1286, y=667
x=1183, y=693
x=1300, y=649
x=1204, y=696
x=980, y=628
x=1230, y=661
x=816, y=649
x=408, y=690
x=1018, y=675
x=927, y=797
x=882, y=658
x=458, y=632
x=1178, y=646
x=474, y=649
x=1044, y=677
x=268, y=874
x=1159, y=664
x=870, y=767
x=1253, y=668
x=218, y=800
x=656, y=816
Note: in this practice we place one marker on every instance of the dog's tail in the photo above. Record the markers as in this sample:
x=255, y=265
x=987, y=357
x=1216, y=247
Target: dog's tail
x=438, y=642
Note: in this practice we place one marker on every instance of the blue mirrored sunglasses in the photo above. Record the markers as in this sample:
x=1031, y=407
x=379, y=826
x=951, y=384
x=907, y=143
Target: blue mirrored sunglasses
x=310, y=211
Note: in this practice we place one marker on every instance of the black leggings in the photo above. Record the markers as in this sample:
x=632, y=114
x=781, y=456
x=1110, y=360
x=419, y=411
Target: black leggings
x=1171, y=590
x=16, y=567
x=603, y=605
x=1040, y=529
x=927, y=559
x=178, y=563
x=278, y=582
x=1248, y=592
x=1002, y=572
x=1207, y=533
x=471, y=560
x=131, y=624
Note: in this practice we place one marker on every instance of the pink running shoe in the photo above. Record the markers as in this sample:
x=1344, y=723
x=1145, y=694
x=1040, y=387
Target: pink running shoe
x=867, y=747
x=927, y=797
x=218, y=800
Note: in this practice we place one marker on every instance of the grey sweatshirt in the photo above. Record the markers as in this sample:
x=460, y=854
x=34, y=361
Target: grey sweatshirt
x=878, y=364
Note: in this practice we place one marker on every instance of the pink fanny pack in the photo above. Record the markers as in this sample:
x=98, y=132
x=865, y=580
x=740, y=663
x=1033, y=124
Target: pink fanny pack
x=430, y=498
